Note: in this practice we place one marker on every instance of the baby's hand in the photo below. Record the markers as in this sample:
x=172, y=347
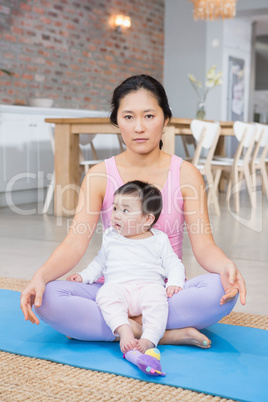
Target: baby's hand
x=173, y=289
x=75, y=278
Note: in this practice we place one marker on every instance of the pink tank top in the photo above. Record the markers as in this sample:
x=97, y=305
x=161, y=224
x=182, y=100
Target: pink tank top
x=171, y=220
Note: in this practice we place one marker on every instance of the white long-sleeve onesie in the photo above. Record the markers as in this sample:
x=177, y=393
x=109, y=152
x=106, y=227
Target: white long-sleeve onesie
x=129, y=266
x=122, y=260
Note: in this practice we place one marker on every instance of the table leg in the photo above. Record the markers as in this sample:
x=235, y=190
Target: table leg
x=67, y=175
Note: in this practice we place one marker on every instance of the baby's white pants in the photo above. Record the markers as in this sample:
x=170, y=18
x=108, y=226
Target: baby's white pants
x=131, y=299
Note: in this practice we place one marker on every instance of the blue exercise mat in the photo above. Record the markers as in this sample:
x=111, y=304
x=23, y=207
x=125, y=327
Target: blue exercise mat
x=236, y=366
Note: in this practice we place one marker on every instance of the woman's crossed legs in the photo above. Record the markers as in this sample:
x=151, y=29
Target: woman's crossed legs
x=70, y=308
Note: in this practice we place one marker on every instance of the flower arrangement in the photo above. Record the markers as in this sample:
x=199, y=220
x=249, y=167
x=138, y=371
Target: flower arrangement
x=214, y=79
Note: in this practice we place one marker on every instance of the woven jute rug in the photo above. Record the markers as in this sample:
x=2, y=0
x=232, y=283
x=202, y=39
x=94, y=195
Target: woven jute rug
x=28, y=379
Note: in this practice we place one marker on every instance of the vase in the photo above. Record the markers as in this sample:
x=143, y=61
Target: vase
x=201, y=111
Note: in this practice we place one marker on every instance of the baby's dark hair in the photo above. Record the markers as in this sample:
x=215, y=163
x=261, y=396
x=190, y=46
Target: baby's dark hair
x=150, y=196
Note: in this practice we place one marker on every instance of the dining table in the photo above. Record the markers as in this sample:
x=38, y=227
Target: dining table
x=67, y=171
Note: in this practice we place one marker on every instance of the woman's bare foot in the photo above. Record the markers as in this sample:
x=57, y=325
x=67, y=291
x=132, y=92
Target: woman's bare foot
x=144, y=344
x=127, y=339
x=185, y=336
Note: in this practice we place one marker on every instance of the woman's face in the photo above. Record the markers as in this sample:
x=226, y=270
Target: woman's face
x=141, y=121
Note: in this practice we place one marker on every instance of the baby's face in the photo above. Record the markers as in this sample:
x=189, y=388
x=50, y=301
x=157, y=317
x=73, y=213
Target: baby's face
x=127, y=217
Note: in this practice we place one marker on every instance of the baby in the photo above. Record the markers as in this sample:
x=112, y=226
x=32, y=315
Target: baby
x=135, y=260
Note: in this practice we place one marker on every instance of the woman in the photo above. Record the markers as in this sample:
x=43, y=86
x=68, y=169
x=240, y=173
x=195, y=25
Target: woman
x=140, y=109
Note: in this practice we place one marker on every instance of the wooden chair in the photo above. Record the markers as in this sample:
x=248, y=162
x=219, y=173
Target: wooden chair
x=206, y=135
x=84, y=139
x=238, y=167
x=259, y=157
x=85, y=142
x=186, y=141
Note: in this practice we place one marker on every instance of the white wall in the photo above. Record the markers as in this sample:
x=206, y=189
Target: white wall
x=250, y=7
x=214, y=44
x=184, y=53
x=236, y=43
x=193, y=46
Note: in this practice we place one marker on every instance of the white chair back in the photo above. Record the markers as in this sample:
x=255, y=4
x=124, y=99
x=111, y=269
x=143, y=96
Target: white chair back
x=206, y=135
x=245, y=132
x=262, y=134
x=198, y=127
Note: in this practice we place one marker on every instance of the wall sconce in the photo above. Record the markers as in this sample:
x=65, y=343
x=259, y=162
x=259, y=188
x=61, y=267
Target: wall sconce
x=121, y=21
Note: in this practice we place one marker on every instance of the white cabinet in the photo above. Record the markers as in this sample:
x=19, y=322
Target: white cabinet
x=26, y=157
x=25, y=151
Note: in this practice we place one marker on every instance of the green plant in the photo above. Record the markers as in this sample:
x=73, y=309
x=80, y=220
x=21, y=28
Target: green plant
x=6, y=72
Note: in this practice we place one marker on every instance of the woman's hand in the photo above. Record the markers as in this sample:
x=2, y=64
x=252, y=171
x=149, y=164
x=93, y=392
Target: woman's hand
x=232, y=282
x=32, y=294
x=172, y=289
x=75, y=278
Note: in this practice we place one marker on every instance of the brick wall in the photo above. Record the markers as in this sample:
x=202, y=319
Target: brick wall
x=68, y=51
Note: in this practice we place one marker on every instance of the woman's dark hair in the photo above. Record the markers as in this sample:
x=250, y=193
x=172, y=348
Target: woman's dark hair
x=135, y=83
x=150, y=196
